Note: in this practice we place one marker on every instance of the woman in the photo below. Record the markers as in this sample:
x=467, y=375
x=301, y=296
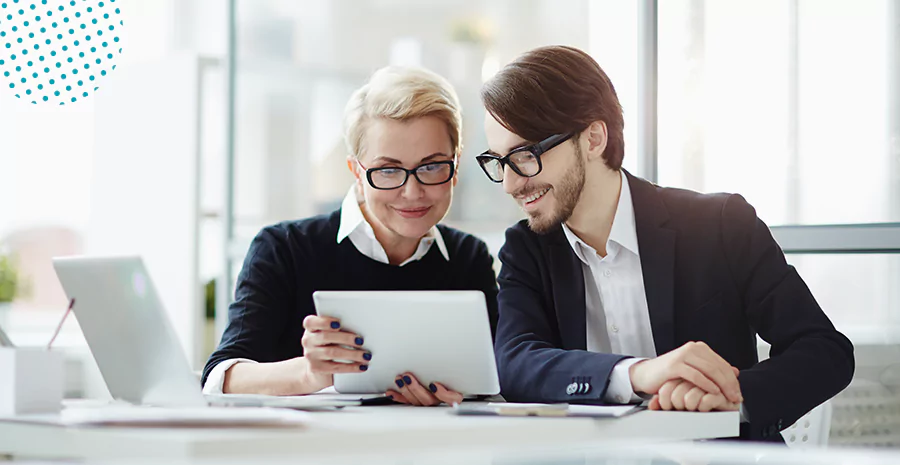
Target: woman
x=403, y=130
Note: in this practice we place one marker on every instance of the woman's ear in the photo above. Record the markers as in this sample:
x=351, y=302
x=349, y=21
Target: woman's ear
x=456, y=161
x=354, y=168
x=352, y=165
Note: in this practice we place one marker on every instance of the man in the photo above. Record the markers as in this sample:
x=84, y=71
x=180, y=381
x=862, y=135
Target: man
x=616, y=289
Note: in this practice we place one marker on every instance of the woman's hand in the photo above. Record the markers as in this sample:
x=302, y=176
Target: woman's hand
x=410, y=391
x=328, y=350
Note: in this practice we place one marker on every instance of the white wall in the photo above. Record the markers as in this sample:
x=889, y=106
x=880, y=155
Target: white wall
x=144, y=198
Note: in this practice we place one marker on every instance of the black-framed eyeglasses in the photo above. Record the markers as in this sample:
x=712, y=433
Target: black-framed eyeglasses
x=524, y=161
x=395, y=177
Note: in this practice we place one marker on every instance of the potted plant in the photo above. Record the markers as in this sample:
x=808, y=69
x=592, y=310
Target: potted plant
x=9, y=284
x=209, y=300
x=469, y=39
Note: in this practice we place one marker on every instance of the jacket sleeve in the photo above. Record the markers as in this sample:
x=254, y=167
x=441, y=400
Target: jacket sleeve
x=532, y=364
x=809, y=361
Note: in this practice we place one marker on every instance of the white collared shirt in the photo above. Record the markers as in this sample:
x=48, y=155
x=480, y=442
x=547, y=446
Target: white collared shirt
x=618, y=318
x=355, y=227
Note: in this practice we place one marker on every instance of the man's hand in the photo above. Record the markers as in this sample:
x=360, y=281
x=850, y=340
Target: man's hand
x=694, y=362
x=682, y=395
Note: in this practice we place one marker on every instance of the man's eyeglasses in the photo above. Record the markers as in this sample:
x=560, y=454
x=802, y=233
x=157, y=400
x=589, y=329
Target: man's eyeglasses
x=393, y=177
x=524, y=161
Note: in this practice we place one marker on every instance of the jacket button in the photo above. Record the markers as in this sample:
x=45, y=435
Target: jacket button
x=572, y=389
x=779, y=424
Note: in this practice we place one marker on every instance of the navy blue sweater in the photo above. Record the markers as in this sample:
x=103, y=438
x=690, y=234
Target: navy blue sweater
x=289, y=261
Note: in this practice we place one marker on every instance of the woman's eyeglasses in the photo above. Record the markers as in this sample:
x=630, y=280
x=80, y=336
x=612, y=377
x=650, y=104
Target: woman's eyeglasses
x=393, y=177
x=524, y=161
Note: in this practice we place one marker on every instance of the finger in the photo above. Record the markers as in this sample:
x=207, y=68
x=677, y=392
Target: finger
x=710, y=402
x=678, y=394
x=654, y=403
x=397, y=397
x=719, y=373
x=736, y=370
x=321, y=323
x=334, y=353
x=665, y=394
x=402, y=383
x=324, y=366
x=729, y=406
x=424, y=395
x=692, y=399
x=703, y=358
x=445, y=395
x=689, y=373
x=346, y=338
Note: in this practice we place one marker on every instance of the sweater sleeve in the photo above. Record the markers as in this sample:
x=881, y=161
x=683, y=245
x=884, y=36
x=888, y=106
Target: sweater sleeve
x=486, y=281
x=265, y=296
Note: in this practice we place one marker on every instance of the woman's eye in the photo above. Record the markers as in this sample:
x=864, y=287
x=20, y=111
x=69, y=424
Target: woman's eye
x=430, y=168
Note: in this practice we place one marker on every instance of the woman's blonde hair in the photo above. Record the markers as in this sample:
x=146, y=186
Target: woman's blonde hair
x=401, y=94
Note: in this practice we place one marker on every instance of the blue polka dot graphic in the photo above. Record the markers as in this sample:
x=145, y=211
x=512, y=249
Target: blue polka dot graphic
x=57, y=51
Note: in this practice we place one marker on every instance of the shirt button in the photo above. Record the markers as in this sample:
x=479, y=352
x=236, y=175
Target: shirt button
x=607, y=273
x=614, y=328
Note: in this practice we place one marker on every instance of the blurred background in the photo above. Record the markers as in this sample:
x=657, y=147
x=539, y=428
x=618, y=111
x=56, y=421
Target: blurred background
x=226, y=116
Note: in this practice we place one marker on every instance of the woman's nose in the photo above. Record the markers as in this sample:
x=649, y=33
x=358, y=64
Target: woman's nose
x=413, y=189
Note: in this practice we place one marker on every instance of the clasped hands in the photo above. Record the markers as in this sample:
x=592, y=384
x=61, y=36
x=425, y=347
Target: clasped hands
x=692, y=378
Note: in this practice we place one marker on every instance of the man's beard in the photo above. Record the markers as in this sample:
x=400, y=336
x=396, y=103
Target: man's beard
x=567, y=195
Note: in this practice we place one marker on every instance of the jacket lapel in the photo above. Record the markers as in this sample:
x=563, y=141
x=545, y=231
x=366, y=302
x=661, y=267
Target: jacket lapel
x=657, y=250
x=567, y=281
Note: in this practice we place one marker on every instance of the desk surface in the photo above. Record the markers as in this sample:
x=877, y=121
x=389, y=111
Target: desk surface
x=358, y=430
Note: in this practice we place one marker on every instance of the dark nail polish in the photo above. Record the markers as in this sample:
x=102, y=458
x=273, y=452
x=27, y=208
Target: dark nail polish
x=432, y=387
x=367, y=356
x=399, y=383
x=363, y=367
x=407, y=380
x=335, y=325
x=359, y=341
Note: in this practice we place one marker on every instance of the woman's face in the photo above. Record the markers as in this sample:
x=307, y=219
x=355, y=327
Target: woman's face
x=410, y=211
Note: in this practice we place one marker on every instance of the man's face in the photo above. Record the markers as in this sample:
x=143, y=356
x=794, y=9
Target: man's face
x=550, y=197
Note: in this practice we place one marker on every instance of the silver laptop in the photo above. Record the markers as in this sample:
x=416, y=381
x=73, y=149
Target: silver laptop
x=132, y=340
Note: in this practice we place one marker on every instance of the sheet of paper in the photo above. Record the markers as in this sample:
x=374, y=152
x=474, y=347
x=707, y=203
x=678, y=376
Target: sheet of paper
x=308, y=402
x=602, y=410
x=185, y=417
x=550, y=410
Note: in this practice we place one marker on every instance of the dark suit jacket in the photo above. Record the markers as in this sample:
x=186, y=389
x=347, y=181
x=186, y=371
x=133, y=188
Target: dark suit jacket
x=712, y=272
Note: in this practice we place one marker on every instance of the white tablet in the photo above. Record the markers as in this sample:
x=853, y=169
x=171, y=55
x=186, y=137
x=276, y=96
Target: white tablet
x=442, y=336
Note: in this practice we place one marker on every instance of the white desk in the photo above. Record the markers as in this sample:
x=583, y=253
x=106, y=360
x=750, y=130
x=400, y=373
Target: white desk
x=358, y=430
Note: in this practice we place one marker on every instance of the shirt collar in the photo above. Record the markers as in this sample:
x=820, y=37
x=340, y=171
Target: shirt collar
x=623, y=231
x=352, y=219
